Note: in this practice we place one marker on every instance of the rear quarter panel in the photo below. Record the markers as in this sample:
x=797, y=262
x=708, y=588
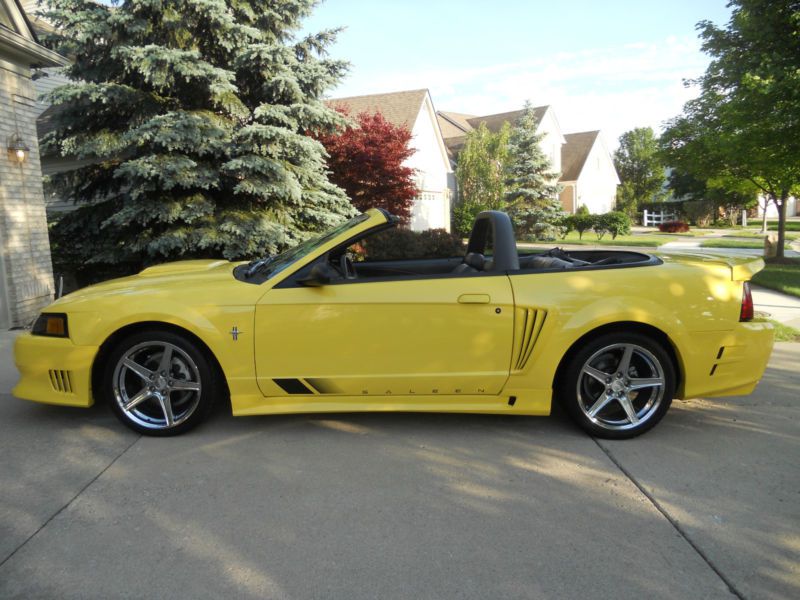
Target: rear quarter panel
x=693, y=305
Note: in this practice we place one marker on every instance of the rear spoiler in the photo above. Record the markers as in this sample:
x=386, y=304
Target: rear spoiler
x=742, y=267
x=746, y=268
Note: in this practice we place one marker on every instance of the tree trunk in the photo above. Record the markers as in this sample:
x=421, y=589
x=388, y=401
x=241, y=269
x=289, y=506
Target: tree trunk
x=781, y=222
x=764, y=215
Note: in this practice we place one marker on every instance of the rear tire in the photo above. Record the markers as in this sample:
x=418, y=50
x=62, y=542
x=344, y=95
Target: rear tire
x=159, y=383
x=618, y=386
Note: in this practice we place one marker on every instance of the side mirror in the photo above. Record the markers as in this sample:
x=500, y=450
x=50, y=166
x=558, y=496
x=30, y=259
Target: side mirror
x=320, y=274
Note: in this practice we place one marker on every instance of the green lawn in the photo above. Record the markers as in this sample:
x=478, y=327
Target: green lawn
x=727, y=243
x=647, y=240
x=784, y=333
x=790, y=235
x=783, y=276
x=790, y=225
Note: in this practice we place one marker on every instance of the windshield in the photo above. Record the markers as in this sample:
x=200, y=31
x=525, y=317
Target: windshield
x=287, y=257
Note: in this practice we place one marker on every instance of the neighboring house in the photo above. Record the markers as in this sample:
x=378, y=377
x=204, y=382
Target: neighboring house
x=792, y=208
x=26, y=272
x=583, y=159
x=414, y=109
x=587, y=173
x=456, y=126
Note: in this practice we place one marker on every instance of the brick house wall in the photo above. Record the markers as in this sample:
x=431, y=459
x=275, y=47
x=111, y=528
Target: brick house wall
x=26, y=269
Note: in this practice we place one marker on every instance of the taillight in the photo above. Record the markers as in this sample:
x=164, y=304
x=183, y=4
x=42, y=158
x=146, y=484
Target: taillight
x=746, y=313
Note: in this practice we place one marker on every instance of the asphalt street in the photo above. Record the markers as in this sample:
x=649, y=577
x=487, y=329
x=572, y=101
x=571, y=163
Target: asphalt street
x=707, y=505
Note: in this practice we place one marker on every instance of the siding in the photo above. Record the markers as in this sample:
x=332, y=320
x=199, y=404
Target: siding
x=26, y=265
x=431, y=209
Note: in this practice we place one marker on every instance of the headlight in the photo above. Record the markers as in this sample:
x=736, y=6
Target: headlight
x=52, y=324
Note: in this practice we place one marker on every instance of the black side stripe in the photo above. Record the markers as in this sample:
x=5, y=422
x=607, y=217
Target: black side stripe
x=293, y=386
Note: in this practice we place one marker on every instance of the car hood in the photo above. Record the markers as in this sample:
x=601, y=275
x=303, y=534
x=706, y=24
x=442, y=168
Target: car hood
x=182, y=276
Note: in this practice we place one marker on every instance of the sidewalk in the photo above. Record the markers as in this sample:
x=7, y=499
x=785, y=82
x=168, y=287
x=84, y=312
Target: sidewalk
x=693, y=245
x=781, y=307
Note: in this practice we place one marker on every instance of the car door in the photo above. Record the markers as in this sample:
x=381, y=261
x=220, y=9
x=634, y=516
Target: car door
x=429, y=335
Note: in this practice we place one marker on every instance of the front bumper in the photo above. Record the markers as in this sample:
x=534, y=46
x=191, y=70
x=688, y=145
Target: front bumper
x=53, y=370
x=727, y=363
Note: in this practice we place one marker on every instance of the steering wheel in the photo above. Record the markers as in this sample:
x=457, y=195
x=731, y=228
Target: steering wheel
x=346, y=266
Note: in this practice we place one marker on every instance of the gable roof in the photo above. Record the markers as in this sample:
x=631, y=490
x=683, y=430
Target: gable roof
x=18, y=40
x=31, y=8
x=453, y=124
x=495, y=122
x=575, y=152
x=399, y=108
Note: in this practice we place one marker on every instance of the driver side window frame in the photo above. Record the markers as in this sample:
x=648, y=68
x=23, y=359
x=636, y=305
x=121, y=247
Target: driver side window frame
x=294, y=279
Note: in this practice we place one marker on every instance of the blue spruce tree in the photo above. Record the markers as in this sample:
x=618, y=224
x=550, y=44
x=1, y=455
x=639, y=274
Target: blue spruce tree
x=190, y=118
x=531, y=185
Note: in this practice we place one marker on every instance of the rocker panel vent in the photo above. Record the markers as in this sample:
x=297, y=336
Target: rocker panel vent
x=528, y=325
x=61, y=381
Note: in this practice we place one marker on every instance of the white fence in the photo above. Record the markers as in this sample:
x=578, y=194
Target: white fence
x=657, y=217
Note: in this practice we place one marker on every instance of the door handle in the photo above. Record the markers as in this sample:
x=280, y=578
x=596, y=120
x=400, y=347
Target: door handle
x=474, y=299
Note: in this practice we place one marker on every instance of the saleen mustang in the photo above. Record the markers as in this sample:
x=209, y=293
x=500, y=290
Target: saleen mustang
x=612, y=335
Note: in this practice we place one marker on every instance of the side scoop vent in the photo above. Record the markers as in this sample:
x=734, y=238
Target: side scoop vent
x=61, y=381
x=528, y=324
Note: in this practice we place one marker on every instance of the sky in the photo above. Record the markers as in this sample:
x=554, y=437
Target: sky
x=605, y=64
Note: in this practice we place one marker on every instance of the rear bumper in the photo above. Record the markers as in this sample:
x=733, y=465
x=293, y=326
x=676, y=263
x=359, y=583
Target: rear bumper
x=727, y=363
x=53, y=370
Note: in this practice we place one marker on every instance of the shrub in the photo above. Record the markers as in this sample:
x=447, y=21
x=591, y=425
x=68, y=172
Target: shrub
x=399, y=244
x=582, y=221
x=599, y=226
x=563, y=225
x=617, y=223
x=699, y=212
x=674, y=227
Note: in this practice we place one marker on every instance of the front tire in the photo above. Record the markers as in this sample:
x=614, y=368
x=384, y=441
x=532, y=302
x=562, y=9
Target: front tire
x=159, y=383
x=619, y=385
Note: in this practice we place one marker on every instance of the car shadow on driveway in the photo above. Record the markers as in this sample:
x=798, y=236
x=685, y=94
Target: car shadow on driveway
x=394, y=505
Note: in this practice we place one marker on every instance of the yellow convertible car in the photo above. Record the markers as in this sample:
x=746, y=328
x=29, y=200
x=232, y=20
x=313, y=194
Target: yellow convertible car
x=612, y=335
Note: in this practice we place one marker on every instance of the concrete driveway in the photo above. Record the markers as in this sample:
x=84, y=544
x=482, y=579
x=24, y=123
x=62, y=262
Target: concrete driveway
x=404, y=506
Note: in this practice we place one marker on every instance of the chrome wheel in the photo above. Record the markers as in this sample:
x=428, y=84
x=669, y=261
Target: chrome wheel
x=156, y=385
x=621, y=386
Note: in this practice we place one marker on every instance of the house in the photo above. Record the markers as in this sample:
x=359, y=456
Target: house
x=456, y=126
x=587, y=170
x=26, y=272
x=588, y=175
x=414, y=109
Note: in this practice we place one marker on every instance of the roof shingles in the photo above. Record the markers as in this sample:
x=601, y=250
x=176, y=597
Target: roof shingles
x=575, y=152
x=399, y=108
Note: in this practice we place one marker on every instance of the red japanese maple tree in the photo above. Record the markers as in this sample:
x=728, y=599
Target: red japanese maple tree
x=366, y=161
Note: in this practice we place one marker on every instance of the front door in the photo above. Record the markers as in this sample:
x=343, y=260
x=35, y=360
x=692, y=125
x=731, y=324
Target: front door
x=445, y=335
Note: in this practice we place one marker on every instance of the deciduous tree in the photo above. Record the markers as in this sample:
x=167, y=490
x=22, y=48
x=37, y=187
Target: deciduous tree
x=639, y=167
x=746, y=122
x=480, y=175
x=367, y=160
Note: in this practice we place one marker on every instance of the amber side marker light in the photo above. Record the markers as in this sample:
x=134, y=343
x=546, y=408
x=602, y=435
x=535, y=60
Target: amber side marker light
x=747, y=312
x=51, y=324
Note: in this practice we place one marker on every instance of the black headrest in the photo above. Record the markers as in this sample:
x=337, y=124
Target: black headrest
x=475, y=260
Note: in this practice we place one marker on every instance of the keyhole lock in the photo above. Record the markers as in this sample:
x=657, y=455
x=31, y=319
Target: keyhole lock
x=498, y=310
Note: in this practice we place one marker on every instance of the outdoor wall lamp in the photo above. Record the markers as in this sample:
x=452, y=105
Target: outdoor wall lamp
x=17, y=148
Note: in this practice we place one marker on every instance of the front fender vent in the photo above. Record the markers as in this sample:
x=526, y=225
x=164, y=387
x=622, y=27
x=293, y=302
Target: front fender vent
x=61, y=381
x=528, y=324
